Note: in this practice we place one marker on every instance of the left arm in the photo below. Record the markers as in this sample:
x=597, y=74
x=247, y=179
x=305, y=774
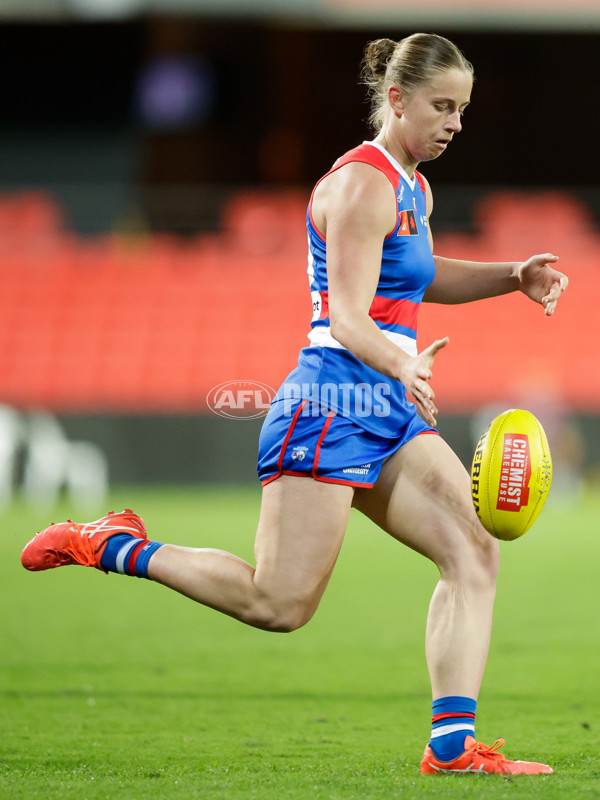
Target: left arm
x=464, y=281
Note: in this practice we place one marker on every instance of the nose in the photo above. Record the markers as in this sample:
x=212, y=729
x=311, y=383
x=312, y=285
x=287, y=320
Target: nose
x=454, y=122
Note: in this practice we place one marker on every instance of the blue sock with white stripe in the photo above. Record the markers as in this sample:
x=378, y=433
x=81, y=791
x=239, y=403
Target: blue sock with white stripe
x=453, y=719
x=128, y=555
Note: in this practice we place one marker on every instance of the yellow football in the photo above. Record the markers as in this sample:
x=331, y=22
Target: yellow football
x=511, y=474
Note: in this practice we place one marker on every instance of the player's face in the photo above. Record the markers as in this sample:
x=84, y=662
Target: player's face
x=433, y=114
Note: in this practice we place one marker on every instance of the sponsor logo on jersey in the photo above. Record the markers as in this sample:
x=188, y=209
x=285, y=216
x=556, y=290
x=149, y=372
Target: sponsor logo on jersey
x=515, y=474
x=408, y=223
x=317, y=305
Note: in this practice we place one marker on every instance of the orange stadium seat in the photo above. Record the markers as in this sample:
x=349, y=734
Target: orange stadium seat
x=266, y=222
x=115, y=324
x=30, y=212
x=514, y=224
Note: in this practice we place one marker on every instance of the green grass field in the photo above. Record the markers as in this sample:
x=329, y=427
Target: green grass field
x=114, y=687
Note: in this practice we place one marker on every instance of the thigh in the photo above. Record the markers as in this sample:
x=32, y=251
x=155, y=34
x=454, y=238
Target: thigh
x=423, y=499
x=299, y=536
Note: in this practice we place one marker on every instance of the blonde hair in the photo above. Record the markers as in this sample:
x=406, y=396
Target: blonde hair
x=409, y=64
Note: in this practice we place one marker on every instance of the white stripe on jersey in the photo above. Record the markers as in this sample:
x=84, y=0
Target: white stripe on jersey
x=320, y=336
x=412, y=182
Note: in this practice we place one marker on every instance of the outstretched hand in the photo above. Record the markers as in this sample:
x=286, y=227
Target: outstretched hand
x=541, y=282
x=416, y=373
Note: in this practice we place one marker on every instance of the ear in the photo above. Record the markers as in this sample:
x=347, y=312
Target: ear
x=397, y=100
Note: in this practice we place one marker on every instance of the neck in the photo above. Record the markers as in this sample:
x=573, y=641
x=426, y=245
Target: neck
x=395, y=149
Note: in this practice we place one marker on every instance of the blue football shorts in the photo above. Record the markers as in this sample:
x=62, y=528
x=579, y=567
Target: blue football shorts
x=304, y=439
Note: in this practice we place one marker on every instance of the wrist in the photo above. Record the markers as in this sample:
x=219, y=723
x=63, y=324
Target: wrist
x=515, y=276
x=401, y=360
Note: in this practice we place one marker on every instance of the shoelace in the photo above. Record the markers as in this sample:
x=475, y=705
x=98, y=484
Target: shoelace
x=83, y=548
x=489, y=751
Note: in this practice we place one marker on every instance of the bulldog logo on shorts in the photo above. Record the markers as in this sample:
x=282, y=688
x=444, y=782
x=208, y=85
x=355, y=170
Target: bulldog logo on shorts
x=299, y=453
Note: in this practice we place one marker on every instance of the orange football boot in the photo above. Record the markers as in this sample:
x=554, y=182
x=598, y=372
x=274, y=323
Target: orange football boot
x=74, y=543
x=479, y=757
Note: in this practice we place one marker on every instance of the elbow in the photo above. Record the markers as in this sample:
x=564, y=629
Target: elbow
x=348, y=324
x=340, y=325
x=338, y=328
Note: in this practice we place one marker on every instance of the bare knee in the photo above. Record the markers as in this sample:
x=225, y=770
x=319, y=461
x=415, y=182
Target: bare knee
x=478, y=558
x=279, y=616
x=486, y=554
x=469, y=554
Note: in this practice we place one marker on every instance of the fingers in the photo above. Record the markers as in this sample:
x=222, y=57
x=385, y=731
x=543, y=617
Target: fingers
x=421, y=391
x=551, y=299
x=438, y=345
x=423, y=395
x=415, y=373
x=543, y=258
x=427, y=409
x=434, y=348
x=548, y=258
x=425, y=390
x=537, y=276
x=537, y=261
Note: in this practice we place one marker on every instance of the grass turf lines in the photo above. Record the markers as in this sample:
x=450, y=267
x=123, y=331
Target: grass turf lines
x=114, y=687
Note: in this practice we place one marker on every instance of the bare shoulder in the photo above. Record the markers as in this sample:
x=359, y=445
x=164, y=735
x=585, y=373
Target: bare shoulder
x=354, y=192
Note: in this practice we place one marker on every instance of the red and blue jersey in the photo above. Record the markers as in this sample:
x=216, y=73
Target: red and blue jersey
x=407, y=269
x=407, y=266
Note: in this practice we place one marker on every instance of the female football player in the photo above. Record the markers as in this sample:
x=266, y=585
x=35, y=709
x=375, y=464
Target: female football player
x=341, y=431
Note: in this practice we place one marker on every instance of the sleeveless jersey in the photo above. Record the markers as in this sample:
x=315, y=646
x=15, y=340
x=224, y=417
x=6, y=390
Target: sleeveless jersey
x=327, y=372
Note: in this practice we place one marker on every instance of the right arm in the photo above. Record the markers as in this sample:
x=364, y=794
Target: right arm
x=355, y=209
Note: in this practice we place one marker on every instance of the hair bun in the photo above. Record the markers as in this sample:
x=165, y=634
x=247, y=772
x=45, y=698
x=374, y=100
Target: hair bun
x=377, y=55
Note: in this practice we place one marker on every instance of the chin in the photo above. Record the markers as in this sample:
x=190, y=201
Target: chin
x=429, y=157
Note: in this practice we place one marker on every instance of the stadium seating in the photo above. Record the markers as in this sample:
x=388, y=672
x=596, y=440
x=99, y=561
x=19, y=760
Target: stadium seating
x=152, y=324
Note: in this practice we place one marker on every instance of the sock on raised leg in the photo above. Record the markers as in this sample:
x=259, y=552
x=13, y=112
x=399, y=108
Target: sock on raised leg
x=453, y=719
x=128, y=555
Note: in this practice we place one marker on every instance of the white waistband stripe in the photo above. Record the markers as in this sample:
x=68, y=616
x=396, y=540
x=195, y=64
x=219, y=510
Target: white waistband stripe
x=320, y=336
